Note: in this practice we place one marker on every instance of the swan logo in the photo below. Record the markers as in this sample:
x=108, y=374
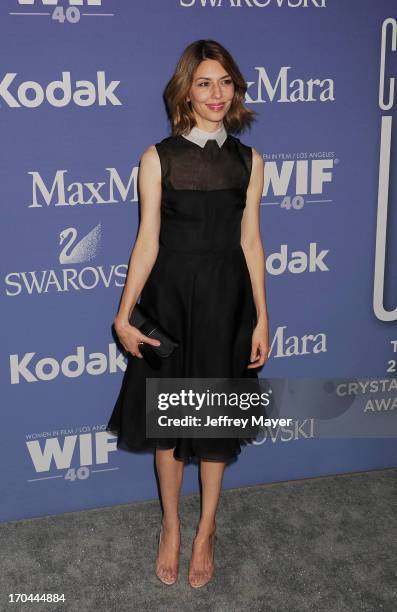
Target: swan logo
x=285, y=89
x=31, y=94
x=85, y=249
x=70, y=278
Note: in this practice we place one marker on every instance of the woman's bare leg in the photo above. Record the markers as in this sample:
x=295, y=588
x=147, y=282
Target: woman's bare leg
x=170, y=472
x=201, y=567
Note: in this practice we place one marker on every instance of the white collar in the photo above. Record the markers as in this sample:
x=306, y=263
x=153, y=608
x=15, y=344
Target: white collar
x=200, y=136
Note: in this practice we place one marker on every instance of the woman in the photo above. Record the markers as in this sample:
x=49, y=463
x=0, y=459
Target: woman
x=199, y=262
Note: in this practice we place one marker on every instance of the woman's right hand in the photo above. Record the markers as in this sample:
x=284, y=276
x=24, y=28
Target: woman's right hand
x=130, y=337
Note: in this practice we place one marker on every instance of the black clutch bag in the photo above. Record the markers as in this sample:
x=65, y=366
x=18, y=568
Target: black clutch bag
x=148, y=326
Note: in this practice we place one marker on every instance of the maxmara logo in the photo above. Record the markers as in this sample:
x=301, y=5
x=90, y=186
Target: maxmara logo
x=58, y=93
x=286, y=88
x=62, y=191
x=254, y=3
x=75, y=250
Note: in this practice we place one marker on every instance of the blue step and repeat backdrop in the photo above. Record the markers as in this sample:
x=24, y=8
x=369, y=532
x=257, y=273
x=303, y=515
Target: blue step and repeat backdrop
x=81, y=87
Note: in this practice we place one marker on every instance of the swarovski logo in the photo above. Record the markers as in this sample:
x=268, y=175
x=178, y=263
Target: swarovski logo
x=31, y=94
x=76, y=250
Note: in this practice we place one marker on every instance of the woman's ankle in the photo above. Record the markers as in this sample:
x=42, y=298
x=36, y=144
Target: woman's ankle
x=206, y=529
x=170, y=523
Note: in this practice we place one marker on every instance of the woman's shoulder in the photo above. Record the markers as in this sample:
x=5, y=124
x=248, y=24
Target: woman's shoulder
x=150, y=158
x=155, y=157
x=237, y=141
x=247, y=148
x=164, y=147
x=250, y=151
x=151, y=149
x=167, y=141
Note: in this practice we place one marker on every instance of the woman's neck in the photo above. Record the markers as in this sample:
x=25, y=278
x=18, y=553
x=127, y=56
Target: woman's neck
x=210, y=131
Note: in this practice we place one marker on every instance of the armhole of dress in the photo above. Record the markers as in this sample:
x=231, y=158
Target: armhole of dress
x=247, y=153
x=251, y=164
x=157, y=145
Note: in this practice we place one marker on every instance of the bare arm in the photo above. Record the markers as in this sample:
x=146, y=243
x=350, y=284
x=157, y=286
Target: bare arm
x=251, y=243
x=145, y=250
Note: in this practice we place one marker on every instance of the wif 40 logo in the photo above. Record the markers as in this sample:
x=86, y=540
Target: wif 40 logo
x=70, y=13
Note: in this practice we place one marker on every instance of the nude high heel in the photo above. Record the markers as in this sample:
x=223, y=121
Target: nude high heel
x=163, y=580
x=196, y=586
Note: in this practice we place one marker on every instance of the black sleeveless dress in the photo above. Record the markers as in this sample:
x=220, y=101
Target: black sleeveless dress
x=199, y=288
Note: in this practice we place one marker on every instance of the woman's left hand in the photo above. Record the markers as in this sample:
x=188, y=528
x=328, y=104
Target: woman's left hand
x=260, y=346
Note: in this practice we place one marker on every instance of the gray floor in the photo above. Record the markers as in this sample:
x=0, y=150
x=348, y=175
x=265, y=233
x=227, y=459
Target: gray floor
x=324, y=545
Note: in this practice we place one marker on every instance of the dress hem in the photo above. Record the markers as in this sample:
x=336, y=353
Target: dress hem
x=122, y=444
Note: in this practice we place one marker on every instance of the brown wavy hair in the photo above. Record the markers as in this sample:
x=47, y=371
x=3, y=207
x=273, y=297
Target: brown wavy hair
x=237, y=119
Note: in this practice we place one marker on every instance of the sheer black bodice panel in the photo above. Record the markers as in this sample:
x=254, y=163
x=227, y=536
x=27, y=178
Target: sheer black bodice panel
x=204, y=192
